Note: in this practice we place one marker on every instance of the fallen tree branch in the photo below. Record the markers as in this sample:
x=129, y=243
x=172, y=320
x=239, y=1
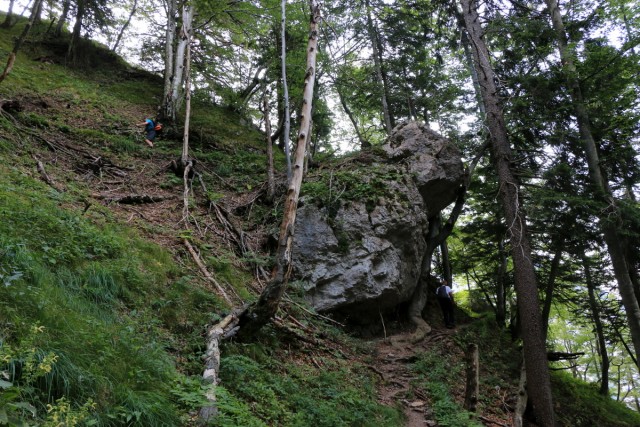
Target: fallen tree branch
x=206, y=273
x=492, y=422
x=289, y=300
x=44, y=176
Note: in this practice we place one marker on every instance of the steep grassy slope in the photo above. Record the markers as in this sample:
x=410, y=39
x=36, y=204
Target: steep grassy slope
x=103, y=311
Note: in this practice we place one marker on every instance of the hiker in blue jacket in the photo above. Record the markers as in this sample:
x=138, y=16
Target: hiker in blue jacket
x=445, y=299
x=149, y=128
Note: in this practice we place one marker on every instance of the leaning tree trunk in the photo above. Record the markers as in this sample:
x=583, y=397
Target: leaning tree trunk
x=364, y=144
x=257, y=315
x=610, y=217
x=548, y=295
x=19, y=41
x=125, y=26
x=285, y=88
x=595, y=313
x=538, y=380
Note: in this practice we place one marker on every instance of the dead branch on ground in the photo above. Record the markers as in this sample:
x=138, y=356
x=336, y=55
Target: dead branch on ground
x=44, y=176
x=206, y=273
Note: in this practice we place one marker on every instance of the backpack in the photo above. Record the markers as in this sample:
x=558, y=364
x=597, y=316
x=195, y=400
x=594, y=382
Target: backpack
x=442, y=292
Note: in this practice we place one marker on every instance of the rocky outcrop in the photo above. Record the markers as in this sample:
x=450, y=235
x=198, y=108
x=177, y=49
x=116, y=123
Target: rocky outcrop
x=360, y=257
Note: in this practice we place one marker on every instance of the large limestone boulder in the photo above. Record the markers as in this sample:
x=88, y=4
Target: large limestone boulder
x=361, y=252
x=432, y=160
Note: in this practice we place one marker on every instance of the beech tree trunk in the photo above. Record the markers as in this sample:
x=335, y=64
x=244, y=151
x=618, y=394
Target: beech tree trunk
x=535, y=355
x=179, y=73
x=257, y=315
x=170, y=36
x=611, y=217
x=20, y=40
x=184, y=159
x=285, y=88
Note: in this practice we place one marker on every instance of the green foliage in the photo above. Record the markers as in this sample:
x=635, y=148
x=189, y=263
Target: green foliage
x=273, y=392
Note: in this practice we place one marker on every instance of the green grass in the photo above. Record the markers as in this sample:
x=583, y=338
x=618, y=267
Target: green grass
x=265, y=391
x=106, y=305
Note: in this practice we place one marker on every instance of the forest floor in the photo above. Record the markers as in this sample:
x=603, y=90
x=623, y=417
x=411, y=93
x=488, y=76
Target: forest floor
x=401, y=386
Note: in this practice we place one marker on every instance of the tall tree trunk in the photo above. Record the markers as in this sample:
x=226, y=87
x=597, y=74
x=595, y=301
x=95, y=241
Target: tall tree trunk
x=167, y=112
x=610, y=217
x=285, y=87
x=535, y=355
x=38, y=13
x=595, y=313
x=548, y=295
x=125, y=26
x=271, y=186
x=501, y=280
x=266, y=307
x=19, y=41
x=373, y=36
x=179, y=75
x=7, y=23
x=72, y=53
x=63, y=18
x=187, y=115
